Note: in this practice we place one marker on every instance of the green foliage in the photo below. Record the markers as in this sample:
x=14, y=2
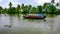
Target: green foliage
x=40, y=8
x=1, y=9
x=22, y=6
x=12, y=10
x=52, y=8
x=33, y=10
x=18, y=9
x=25, y=10
x=29, y=9
x=5, y=11
x=45, y=5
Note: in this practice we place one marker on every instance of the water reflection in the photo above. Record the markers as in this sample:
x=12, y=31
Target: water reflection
x=16, y=24
x=51, y=15
x=35, y=20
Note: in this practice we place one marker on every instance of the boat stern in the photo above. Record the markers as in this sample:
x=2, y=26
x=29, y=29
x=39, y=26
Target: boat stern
x=44, y=16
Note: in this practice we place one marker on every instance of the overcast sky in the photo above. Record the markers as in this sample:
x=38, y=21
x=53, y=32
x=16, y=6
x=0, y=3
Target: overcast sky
x=4, y=3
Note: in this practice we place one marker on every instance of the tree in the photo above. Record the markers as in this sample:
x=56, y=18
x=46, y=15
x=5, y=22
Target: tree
x=51, y=8
x=5, y=11
x=22, y=6
x=29, y=7
x=45, y=5
x=18, y=9
x=40, y=8
x=33, y=10
x=1, y=9
x=52, y=1
x=25, y=10
x=12, y=10
x=57, y=4
x=10, y=4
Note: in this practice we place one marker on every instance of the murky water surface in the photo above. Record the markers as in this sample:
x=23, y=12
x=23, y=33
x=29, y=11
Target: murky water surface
x=19, y=25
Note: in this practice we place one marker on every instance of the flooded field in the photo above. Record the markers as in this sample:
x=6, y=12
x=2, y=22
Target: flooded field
x=18, y=25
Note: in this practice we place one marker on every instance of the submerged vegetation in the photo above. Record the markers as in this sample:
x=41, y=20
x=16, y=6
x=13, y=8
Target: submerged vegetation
x=49, y=8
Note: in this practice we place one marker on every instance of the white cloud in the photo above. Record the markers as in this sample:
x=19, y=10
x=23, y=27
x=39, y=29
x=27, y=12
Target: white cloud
x=0, y=0
x=9, y=0
x=41, y=2
x=4, y=5
x=16, y=3
x=27, y=2
x=13, y=0
x=56, y=1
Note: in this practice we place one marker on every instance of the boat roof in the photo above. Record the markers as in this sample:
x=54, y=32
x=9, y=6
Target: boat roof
x=35, y=14
x=40, y=14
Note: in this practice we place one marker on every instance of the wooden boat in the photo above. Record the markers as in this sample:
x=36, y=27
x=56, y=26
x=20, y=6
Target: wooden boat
x=34, y=17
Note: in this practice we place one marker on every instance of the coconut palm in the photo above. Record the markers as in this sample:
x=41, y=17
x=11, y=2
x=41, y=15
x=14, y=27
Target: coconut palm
x=18, y=9
x=22, y=6
x=57, y=4
x=45, y=5
x=10, y=4
x=29, y=8
x=11, y=10
x=53, y=1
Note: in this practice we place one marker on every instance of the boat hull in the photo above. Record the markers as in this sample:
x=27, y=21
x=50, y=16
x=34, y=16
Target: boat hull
x=34, y=17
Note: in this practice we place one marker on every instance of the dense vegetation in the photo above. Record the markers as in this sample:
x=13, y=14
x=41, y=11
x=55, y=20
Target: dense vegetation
x=29, y=9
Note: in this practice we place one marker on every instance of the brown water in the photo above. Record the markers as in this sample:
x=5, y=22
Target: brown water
x=19, y=25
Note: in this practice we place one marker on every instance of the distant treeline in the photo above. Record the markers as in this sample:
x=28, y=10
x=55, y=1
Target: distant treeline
x=29, y=9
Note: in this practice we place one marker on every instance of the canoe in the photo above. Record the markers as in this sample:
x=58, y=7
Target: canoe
x=34, y=17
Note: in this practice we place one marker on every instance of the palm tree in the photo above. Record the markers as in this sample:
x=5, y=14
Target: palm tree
x=10, y=4
x=30, y=7
x=58, y=10
x=18, y=9
x=45, y=5
x=11, y=10
x=57, y=4
x=52, y=1
x=22, y=6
